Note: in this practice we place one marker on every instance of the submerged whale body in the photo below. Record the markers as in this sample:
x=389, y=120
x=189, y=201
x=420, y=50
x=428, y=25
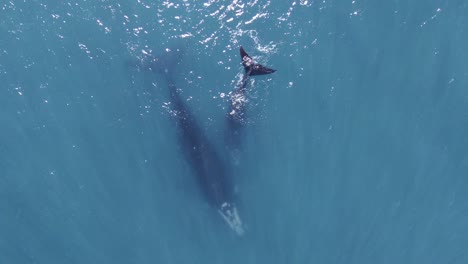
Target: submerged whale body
x=211, y=171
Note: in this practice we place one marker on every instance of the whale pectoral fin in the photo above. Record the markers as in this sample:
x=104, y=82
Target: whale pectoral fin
x=251, y=67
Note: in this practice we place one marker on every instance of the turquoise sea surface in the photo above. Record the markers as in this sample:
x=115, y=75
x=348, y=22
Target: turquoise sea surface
x=354, y=151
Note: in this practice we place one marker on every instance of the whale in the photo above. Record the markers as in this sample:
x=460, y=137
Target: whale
x=212, y=172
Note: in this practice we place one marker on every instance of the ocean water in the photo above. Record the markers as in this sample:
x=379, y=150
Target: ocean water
x=355, y=150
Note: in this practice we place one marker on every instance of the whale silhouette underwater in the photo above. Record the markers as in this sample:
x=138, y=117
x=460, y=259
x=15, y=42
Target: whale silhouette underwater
x=210, y=169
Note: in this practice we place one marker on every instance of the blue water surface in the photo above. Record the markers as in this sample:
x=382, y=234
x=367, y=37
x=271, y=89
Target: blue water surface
x=355, y=150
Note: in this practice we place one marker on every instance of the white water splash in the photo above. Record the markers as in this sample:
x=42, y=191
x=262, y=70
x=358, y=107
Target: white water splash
x=229, y=213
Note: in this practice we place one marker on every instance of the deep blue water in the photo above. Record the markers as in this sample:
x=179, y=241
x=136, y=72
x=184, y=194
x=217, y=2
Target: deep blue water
x=355, y=150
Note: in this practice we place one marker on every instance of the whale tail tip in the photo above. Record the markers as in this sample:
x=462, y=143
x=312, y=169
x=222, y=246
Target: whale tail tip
x=251, y=67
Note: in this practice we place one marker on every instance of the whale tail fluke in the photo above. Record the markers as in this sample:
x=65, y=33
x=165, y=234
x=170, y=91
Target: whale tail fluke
x=251, y=67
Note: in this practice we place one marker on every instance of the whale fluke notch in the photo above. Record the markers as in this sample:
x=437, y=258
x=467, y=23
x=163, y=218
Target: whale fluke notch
x=251, y=67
